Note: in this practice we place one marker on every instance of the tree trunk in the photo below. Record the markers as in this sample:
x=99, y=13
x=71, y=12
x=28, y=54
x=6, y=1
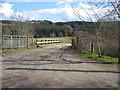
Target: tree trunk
x=98, y=46
x=119, y=43
x=92, y=47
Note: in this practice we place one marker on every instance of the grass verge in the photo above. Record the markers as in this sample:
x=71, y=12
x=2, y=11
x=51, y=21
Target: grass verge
x=67, y=39
x=104, y=59
x=14, y=50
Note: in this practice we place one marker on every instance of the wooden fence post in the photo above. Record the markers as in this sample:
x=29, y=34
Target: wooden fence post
x=27, y=41
x=11, y=41
x=19, y=42
x=2, y=43
x=36, y=43
x=92, y=47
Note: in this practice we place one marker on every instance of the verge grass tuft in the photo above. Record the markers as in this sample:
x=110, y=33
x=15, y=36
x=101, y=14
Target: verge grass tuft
x=104, y=59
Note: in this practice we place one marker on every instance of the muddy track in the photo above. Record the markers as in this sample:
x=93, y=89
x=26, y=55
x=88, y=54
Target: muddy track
x=56, y=67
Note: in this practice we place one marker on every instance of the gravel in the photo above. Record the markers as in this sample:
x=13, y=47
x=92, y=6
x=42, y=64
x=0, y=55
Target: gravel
x=56, y=67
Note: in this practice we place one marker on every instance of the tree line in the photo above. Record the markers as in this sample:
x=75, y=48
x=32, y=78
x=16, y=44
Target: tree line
x=36, y=28
x=47, y=30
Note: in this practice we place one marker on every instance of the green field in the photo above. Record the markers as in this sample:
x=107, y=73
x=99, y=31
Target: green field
x=67, y=39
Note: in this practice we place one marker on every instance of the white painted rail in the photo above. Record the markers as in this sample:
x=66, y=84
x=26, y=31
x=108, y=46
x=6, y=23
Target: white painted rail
x=48, y=41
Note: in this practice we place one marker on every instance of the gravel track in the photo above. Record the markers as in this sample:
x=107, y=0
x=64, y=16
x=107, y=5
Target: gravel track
x=56, y=67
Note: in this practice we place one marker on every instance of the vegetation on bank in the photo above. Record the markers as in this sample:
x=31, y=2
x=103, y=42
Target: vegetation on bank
x=104, y=59
x=14, y=50
x=67, y=39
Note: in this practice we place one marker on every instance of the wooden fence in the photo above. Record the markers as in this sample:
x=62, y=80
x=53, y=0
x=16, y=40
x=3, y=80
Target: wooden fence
x=14, y=41
x=39, y=41
x=83, y=41
x=17, y=41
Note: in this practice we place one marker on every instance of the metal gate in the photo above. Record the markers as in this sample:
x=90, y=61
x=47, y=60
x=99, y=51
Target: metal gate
x=14, y=41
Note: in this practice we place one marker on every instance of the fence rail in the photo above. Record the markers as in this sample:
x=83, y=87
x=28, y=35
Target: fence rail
x=48, y=41
x=14, y=41
x=18, y=41
x=40, y=41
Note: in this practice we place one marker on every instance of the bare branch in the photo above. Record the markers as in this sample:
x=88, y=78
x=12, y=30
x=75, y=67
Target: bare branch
x=87, y=14
x=116, y=7
x=77, y=14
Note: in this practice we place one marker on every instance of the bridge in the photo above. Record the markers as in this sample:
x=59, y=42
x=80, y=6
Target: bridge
x=47, y=41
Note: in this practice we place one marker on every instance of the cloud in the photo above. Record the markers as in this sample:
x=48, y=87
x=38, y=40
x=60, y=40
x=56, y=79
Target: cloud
x=39, y=0
x=64, y=13
x=61, y=14
x=7, y=12
x=91, y=11
x=6, y=9
x=60, y=2
x=69, y=0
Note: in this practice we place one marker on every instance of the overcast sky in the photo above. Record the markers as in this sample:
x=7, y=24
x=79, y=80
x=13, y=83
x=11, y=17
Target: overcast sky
x=54, y=10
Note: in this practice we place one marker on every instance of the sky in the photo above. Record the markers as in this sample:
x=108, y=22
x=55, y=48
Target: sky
x=54, y=10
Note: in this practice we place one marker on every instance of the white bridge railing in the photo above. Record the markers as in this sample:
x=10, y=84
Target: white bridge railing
x=47, y=41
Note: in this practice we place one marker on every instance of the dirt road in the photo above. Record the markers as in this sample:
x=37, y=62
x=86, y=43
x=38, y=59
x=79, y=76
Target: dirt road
x=56, y=67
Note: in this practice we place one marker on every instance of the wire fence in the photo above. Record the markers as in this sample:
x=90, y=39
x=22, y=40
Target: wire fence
x=14, y=41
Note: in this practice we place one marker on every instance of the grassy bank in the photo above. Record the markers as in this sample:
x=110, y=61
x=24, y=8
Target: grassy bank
x=104, y=59
x=67, y=39
x=14, y=50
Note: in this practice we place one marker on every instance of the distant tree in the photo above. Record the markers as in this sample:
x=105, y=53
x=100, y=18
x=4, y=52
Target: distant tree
x=50, y=22
x=69, y=30
x=60, y=34
x=65, y=33
x=52, y=34
x=18, y=26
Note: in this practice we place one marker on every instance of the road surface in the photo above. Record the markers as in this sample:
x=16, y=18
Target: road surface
x=56, y=67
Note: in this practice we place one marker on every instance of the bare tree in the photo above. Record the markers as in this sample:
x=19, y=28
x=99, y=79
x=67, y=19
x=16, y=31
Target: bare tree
x=98, y=16
x=116, y=11
x=19, y=26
